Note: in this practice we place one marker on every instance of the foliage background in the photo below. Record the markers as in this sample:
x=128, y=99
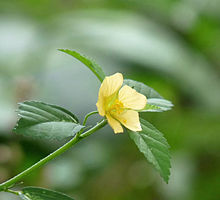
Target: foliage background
x=171, y=45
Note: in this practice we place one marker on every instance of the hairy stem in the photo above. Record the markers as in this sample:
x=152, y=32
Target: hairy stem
x=4, y=186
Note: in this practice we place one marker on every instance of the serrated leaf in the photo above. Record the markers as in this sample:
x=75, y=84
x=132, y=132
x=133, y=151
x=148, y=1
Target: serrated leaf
x=35, y=193
x=143, y=89
x=154, y=146
x=151, y=108
x=41, y=120
x=155, y=102
x=95, y=68
x=157, y=105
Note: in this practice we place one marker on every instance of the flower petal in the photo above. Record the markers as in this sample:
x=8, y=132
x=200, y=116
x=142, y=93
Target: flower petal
x=131, y=98
x=130, y=119
x=116, y=126
x=109, y=87
x=111, y=84
x=101, y=106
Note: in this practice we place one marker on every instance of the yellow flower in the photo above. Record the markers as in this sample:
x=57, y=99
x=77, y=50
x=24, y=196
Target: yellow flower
x=120, y=105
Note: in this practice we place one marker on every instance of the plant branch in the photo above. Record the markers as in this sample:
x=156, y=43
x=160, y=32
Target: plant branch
x=4, y=186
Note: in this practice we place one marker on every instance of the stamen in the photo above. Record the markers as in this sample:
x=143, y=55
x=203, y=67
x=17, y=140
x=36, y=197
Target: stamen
x=117, y=107
x=124, y=121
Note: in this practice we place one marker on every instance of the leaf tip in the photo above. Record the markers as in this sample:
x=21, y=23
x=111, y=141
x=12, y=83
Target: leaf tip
x=61, y=50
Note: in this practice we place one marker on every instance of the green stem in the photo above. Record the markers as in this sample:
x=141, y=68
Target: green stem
x=88, y=115
x=95, y=128
x=13, y=192
x=4, y=186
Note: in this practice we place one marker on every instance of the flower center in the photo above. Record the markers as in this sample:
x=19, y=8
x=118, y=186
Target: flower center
x=117, y=107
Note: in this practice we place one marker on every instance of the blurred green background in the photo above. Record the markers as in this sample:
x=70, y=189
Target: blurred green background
x=171, y=45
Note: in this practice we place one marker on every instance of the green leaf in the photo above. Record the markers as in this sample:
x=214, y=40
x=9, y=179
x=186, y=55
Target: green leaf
x=155, y=102
x=143, y=89
x=41, y=120
x=157, y=105
x=151, y=108
x=96, y=69
x=154, y=146
x=35, y=193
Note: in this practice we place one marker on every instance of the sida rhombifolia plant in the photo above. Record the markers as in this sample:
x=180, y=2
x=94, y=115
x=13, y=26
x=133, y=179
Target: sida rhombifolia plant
x=119, y=103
